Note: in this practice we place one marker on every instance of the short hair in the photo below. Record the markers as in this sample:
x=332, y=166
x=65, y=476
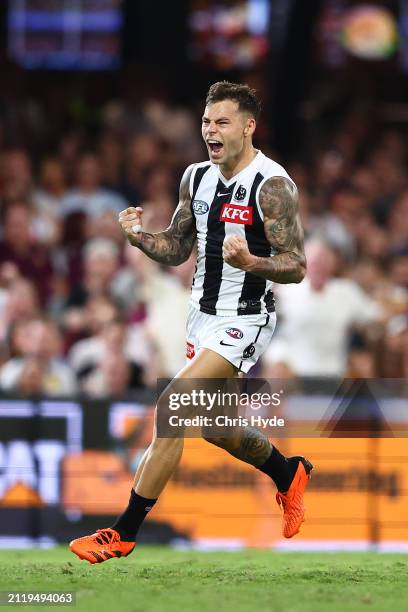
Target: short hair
x=100, y=246
x=243, y=95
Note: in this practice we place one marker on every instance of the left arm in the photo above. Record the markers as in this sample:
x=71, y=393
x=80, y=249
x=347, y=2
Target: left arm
x=278, y=199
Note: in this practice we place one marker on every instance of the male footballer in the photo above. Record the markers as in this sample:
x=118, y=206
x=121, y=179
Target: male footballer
x=241, y=208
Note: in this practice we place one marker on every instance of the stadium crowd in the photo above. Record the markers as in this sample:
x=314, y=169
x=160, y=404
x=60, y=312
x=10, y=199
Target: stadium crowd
x=83, y=312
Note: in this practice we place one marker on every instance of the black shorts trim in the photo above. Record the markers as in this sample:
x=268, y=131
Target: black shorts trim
x=253, y=343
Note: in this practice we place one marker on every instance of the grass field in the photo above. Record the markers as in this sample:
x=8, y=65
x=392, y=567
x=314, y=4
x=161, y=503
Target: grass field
x=163, y=580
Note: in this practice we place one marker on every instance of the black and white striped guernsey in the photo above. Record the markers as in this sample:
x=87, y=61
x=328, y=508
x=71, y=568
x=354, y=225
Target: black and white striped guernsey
x=222, y=208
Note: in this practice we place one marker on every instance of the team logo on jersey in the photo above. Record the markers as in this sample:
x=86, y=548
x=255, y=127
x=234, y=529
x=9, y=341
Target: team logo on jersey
x=232, y=213
x=200, y=207
x=240, y=194
x=248, y=352
x=234, y=333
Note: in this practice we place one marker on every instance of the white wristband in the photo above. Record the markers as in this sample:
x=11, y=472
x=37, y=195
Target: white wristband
x=136, y=229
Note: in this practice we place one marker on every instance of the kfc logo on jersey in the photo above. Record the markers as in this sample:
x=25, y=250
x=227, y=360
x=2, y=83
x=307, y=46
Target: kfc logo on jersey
x=234, y=333
x=232, y=213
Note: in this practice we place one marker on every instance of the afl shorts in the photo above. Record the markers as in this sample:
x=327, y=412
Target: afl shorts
x=241, y=340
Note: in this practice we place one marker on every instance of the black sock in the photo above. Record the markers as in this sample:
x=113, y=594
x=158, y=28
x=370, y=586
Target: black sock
x=280, y=469
x=128, y=523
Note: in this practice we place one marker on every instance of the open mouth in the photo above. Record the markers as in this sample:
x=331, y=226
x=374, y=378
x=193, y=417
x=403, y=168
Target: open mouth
x=215, y=146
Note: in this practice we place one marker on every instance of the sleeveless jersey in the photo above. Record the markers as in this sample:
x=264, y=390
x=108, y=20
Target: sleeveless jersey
x=222, y=208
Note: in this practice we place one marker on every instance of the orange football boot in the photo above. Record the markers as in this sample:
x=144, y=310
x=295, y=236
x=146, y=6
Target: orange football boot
x=100, y=546
x=292, y=500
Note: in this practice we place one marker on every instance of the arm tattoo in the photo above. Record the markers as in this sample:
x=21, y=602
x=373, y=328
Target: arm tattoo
x=279, y=203
x=174, y=245
x=254, y=447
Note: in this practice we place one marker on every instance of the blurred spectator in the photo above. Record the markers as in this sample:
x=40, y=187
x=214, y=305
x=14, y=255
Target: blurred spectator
x=158, y=186
x=128, y=284
x=20, y=247
x=88, y=195
x=41, y=369
x=334, y=226
x=157, y=214
x=111, y=160
x=69, y=147
x=366, y=182
x=19, y=338
x=168, y=330
x=398, y=267
x=80, y=323
x=398, y=222
x=105, y=226
x=48, y=199
x=177, y=127
x=93, y=359
x=316, y=318
x=112, y=378
x=150, y=292
x=16, y=175
x=101, y=261
x=19, y=303
x=143, y=154
x=370, y=275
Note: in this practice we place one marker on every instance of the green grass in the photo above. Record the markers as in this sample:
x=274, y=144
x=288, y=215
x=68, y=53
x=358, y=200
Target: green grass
x=163, y=580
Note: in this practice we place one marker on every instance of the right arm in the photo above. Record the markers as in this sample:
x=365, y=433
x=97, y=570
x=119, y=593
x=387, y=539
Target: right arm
x=174, y=245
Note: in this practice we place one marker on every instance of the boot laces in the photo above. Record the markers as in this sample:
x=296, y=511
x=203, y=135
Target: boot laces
x=107, y=536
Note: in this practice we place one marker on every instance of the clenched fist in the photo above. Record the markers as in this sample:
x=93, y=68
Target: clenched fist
x=130, y=220
x=236, y=253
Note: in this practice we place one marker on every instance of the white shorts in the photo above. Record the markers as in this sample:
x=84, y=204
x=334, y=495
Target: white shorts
x=241, y=340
